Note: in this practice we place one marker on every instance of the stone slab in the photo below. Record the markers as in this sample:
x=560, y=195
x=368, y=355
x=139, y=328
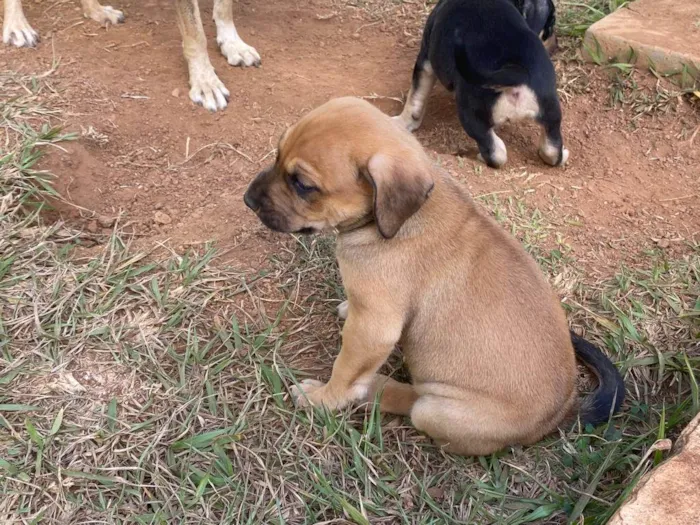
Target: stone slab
x=662, y=33
x=669, y=494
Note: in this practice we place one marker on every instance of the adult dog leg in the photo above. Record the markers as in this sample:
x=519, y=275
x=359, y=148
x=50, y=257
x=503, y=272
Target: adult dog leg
x=205, y=87
x=15, y=28
x=103, y=15
x=232, y=46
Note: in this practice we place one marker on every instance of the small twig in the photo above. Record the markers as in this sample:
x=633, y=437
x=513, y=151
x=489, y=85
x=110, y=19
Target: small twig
x=679, y=198
x=492, y=193
x=134, y=96
x=326, y=17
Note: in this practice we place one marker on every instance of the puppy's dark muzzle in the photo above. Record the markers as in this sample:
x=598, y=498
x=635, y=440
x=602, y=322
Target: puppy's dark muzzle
x=250, y=201
x=254, y=194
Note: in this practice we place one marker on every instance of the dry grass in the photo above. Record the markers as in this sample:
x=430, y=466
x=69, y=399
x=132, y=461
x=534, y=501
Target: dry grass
x=149, y=388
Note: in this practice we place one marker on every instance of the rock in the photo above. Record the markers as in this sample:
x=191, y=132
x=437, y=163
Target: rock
x=106, y=222
x=92, y=227
x=657, y=33
x=162, y=218
x=668, y=495
x=437, y=493
x=176, y=92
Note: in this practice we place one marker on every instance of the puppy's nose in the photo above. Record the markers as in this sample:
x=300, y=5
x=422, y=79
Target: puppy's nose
x=250, y=201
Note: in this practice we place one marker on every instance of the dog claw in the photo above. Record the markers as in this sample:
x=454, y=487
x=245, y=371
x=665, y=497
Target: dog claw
x=19, y=33
x=106, y=15
x=301, y=391
x=208, y=91
x=238, y=53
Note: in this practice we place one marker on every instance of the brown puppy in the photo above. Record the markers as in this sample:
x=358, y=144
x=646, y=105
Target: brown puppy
x=485, y=340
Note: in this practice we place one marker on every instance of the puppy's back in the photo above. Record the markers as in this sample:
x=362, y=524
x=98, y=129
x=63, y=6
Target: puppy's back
x=490, y=33
x=487, y=314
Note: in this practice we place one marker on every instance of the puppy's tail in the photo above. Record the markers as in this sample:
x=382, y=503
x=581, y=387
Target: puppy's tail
x=548, y=30
x=470, y=69
x=606, y=400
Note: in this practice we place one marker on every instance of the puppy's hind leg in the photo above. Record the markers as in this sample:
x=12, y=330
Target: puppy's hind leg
x=552, y=150
x=396, y=398
x=205, y=87
x=15, y=28
x=421, y=85
x=103, y=15
x=467, y=423
x=232, y=46
x=492, y=150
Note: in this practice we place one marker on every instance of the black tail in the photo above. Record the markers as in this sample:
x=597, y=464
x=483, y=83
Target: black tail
x=508, y=75
x=548, y=30
x=606, y=400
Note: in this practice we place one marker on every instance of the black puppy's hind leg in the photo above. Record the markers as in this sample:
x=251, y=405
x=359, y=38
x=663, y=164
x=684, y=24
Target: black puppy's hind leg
x=552, y=150
x=421, y=85
x=492, y=150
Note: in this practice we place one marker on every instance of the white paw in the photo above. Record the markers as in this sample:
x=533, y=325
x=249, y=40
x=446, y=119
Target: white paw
x=343, y=310
x=17, y=32
x=301, y=392
x=106, y=15
x=551, y=156
x=407, y=123
x=237, y=52
x=207, y=90
x=564, y=157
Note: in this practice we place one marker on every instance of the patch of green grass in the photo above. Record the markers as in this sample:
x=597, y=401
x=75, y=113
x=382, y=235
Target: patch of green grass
x=574, y=18
x=152, y=389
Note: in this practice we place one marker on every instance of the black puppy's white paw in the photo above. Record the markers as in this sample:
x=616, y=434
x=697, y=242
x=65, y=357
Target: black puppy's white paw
x=406, y=122
x=497, y=154
x=554, y=160
x=550, y=153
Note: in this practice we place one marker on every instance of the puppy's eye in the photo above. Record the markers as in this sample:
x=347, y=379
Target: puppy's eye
x=302, y=189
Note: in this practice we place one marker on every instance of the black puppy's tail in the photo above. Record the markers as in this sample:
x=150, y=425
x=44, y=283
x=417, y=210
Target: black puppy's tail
x=548, y=29
x=508, y=75
x=606, y=400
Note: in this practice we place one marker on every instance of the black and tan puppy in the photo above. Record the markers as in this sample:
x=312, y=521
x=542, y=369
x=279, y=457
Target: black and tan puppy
x=485, y=339
x=484, y=51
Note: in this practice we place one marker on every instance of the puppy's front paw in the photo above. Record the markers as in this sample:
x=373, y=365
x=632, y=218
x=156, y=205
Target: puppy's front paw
x=237, y=52
x=343, y=310
x=17, y=32
x=207, y=90
x=308, y=392
x=105, y=15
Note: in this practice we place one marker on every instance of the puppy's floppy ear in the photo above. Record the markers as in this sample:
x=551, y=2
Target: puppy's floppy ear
x=400, y=189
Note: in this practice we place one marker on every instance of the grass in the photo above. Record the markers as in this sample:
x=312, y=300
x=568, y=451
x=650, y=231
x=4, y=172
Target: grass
x=151, y=388
x=574, y=18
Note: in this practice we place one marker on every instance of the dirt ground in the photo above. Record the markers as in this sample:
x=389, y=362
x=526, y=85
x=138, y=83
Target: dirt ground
x=146, y=152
